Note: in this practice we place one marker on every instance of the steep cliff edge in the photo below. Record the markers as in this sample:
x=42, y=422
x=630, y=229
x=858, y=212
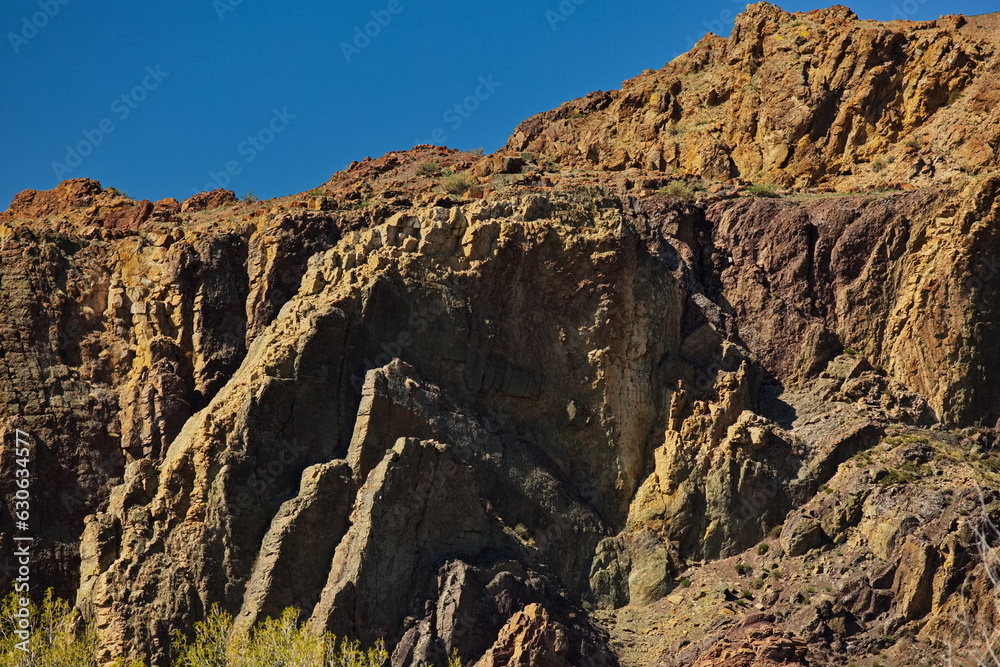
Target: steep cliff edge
x=552, y=419
x=798, y=99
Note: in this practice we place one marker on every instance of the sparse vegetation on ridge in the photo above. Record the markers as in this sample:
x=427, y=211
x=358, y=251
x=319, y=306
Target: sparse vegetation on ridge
x=682, y=190
x=60, y=637
x=456, y=184
x=763, y=190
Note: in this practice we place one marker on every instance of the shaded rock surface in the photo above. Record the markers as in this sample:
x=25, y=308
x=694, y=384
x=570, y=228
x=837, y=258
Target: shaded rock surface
x=582, y=414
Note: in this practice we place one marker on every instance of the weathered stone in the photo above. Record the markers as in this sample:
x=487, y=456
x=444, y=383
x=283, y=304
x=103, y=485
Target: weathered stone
x=295, y=554
x=800, y=534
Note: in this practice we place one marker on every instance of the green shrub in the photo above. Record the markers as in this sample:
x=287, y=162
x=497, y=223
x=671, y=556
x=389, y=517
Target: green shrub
x=685, y=583
x=276, y=641
x=762, y=548
x=894, y=476
x=763, y=190
x=457, y=184
x=682, y=190
x=58, y=636
x=428, y=169
x=249, y=198
x=743, y=569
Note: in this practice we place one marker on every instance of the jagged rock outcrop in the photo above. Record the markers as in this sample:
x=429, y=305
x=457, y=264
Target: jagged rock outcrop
x=797, y=99
x=298, y=389
x=300, y=544
x=895, y=279
x=570, y=416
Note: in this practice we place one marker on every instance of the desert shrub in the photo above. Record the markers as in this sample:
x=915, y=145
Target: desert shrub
x=58, y=636
x=763, y=190
x=249, y=198
x=428, y=169
x=682, y=190
x=276, y=641
x=456, y=184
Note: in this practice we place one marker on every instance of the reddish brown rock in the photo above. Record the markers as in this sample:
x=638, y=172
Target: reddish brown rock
x=166, y=209
x=204, y=201
x=67, y=196
x=128, y=218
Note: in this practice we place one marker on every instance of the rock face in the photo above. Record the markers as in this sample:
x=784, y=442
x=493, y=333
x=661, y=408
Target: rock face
x=295, y=402
x=797, y=99
x=566, y=418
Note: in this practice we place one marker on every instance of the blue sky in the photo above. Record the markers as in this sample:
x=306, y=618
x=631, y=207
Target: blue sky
x=163, y=99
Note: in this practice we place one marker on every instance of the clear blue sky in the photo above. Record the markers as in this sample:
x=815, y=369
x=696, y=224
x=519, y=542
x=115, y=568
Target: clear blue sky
x=162, y=95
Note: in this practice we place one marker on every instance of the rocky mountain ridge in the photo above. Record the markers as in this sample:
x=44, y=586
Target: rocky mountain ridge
x=535, y=407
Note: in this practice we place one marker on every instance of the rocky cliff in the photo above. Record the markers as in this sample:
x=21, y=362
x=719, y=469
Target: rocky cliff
x=593, y=401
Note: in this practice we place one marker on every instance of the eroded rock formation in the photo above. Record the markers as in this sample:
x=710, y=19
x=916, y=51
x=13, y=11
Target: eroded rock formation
x=564, y=418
